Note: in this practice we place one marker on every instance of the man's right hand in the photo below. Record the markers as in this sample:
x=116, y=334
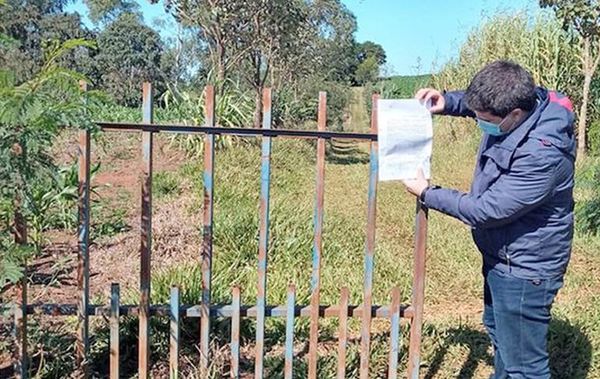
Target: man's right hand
x=433, y=95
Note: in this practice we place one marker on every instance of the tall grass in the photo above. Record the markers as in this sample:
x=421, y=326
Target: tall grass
x=398, y=87
x=539, y=44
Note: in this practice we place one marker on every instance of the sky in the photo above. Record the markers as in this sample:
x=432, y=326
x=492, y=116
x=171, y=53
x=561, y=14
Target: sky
x=417, y=35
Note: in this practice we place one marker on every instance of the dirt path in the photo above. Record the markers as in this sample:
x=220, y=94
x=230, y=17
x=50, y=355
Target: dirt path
x=358, y=121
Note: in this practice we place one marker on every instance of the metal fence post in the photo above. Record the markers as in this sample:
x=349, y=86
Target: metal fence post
x=317, y=242
x=207, y=230
x=146, y=236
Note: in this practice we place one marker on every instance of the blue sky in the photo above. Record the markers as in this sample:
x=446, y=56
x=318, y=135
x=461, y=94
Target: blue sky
x=417, y=35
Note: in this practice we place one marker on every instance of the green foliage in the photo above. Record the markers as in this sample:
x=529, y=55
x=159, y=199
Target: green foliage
x=539, y=46
x=108, y=10
x=277, y=44
x=233, y=108
x=31, y=115
x=367, y=71
x=370, y=57
x=165, y=183
x=13, y=258
x=396, y=87
x=129, y=54
x=334, y=41
x=594, y=135
x=581, y=15
x=402, y=86
x=298, y=108
x=588, y=209
x=109, y=225
x=371, y=49
x=52, y=203
x=31, y=24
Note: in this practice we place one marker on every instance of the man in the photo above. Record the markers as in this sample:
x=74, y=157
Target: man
x=520, y=207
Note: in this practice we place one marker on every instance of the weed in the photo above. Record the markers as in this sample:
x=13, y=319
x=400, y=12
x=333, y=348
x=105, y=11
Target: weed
x=165, y=183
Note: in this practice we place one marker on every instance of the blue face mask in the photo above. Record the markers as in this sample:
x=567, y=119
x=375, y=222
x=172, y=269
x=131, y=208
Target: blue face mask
x=490, y=128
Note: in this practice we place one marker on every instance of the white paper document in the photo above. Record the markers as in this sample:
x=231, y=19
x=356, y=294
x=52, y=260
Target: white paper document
x=405, y=135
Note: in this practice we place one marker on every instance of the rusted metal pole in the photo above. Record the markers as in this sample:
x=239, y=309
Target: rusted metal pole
x=365, y=333
x=174, y=339
x=289, y=333
x=20, y=330
x=83, y=257
x=21, y=359
x=235, y=333
x=418, y=298
x=394, y=334
x=263, y=244
x=207, y=231
x=114, y=331
x=318, y=241
x=146, y=236
x=343, y=333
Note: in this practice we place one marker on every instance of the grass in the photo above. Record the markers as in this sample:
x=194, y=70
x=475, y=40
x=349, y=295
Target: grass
x=454, y=342
x=165, y=183
x=403, y=86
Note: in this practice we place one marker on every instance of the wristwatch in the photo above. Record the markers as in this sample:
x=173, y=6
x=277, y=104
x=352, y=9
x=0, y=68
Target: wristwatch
x=422, y=196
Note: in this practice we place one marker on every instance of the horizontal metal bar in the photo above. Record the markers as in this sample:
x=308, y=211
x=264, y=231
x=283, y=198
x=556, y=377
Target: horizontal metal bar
x=252, y=132
x=299, y=310
x=216, y=310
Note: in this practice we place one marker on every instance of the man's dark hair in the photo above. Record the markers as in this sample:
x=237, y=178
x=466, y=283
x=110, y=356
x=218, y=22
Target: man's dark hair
x=500, y=87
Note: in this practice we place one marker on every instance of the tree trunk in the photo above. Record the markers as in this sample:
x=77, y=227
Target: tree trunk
x=582, y=123
x=590, y=64
x=20, y=226
x=220, y=63
x=258, y=107
x=581, y=127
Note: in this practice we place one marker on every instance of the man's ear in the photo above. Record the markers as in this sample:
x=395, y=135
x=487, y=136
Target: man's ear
x=516, y=116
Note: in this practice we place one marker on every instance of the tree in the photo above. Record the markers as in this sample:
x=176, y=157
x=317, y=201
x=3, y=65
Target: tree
x=219, y=22
x=108, y=10
x=129, y=53
x=30, y=24
x=270, y=36
x=335, y=26
x=371, y=49
x=583, y=17
x=31, y=115
x=370, y=56
x=367, y=71
x=184, y=60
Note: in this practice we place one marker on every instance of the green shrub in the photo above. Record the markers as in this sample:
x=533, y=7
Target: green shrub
x=297, y=107
x=587, y=211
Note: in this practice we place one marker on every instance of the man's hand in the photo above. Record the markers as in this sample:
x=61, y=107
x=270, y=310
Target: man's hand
x=436, y=97
x=416, y=186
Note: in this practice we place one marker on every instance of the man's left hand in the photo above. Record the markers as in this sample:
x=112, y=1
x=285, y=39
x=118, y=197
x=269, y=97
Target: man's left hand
x=416, y=186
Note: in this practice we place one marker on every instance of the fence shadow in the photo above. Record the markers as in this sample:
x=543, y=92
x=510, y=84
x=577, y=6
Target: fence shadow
x=345, y=153
x=476, y=341
x=569, y=347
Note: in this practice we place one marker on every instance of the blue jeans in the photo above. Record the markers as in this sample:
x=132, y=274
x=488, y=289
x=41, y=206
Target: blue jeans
x=517, y=315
